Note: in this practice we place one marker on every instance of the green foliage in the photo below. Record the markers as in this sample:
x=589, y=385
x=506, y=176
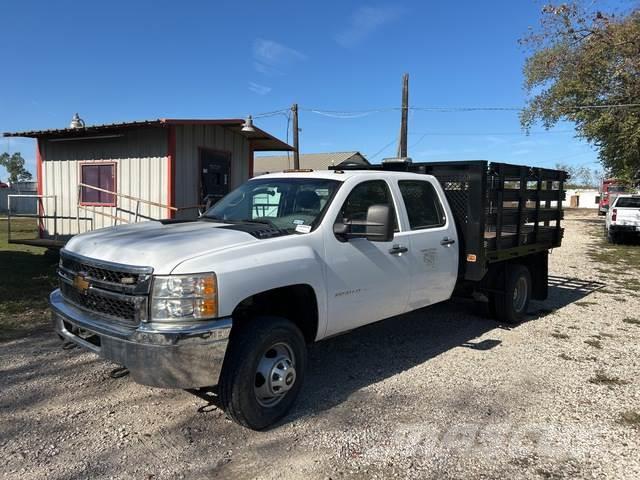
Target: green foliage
x=581, y=176
x=14, y=164
x=580, y=58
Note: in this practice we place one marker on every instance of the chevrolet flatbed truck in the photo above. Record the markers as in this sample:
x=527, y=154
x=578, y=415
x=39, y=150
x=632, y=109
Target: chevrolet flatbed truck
x=233, y=298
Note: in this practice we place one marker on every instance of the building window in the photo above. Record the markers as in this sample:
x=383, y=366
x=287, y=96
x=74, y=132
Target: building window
x=100, y=175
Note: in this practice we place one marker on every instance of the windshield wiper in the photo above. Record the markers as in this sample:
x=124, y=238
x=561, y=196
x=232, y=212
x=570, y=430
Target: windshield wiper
x=264, y=222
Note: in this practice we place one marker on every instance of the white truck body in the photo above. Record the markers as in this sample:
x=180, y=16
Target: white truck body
x=284, y=260
x=623, y=218
x=356, y=282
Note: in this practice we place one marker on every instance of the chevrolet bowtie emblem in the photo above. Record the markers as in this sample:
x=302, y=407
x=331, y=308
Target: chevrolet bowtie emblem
x=81, y=283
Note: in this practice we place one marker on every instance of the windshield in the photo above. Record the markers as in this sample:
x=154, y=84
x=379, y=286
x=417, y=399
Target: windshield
x=291, y=204
x=628, y=202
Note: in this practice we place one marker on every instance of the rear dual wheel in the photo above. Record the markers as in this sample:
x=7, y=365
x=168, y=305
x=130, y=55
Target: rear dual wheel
x=512, y=305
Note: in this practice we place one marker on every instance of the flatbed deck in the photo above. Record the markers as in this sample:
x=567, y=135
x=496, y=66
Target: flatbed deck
x=502, y=211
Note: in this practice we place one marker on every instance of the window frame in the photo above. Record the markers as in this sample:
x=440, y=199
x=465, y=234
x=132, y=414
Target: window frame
x=440, y=205
x=115, y=184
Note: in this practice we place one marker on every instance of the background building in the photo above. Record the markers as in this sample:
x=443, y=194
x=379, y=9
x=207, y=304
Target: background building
x=313, y=161
x=97, y=176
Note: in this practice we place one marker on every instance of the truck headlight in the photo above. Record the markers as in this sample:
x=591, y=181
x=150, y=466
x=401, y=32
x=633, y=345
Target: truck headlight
x=184, y=297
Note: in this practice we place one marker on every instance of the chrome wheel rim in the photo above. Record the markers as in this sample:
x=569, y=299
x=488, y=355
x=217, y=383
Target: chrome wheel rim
x=275, y=375
x=520, y=294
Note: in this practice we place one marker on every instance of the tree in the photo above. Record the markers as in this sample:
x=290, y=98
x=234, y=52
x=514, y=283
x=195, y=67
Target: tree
x=14, y=164
x=581, y=176
x=581, y=64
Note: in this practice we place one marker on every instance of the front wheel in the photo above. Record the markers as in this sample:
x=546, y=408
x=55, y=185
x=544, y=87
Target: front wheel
x=263, y=372
x=511, y=307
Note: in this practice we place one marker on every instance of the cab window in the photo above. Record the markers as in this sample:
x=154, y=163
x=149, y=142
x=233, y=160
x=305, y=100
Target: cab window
x=365, y=194
x=423, y=206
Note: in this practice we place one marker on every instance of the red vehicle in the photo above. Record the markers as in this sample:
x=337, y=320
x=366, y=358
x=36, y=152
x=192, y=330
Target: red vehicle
x=609, y=190
x=3, y=185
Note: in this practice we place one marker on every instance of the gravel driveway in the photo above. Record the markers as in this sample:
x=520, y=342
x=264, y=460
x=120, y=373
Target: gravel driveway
x=438, y=393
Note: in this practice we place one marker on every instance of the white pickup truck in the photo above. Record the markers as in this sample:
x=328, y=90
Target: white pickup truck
x=233, y=298
x=623, y=218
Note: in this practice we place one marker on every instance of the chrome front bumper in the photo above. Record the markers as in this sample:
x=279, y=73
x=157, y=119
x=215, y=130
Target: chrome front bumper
x=170, y=356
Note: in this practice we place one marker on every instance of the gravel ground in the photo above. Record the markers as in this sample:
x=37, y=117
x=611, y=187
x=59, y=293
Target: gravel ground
x=438, y=393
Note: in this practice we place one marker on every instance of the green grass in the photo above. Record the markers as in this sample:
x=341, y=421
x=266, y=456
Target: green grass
x=27, y=276
x=619, y=258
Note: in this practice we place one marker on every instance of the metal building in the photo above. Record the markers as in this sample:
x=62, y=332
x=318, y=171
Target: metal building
x=314, y=161
x=102, y=175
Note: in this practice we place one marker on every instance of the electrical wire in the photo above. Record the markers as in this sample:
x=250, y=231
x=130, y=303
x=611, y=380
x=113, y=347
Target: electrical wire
x=347, y=114
x=383, y=148
x=282, y=111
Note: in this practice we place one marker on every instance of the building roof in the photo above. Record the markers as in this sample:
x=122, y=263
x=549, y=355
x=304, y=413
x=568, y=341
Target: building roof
x=260, y=140
x=314, y=161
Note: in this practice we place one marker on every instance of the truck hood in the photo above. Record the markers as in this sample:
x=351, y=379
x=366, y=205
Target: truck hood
x=155, y=244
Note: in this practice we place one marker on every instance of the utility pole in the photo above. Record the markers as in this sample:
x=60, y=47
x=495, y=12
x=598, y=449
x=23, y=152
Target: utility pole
x=296, y=148
x=402, y=145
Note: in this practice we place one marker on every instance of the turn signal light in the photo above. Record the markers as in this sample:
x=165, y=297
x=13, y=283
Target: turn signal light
x=614, y=215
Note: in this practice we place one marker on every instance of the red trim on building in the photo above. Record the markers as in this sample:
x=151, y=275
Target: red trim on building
x=251, y=160
x=171, y=169
x=39, y=186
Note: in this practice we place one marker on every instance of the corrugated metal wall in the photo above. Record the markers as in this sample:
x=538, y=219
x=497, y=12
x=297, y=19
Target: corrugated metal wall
x=187, y=169
x=141, y=171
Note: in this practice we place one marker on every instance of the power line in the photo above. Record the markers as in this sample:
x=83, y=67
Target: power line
x=349, y=114
x=363, y=113
x=383, y=149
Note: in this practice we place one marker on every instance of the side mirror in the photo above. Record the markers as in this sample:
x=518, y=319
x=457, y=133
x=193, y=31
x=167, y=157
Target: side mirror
x=378, y=227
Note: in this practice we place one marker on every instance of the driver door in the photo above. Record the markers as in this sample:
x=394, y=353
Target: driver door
x=366, y=280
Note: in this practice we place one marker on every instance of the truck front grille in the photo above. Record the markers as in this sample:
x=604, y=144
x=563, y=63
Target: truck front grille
x=124, y=310
x=100, y=273
x=119, y=292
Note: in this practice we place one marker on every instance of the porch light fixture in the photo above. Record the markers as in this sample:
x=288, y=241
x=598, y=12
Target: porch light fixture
x=247, y=126
x=76, y=122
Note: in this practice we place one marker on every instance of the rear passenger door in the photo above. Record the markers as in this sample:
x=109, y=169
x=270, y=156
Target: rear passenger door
x=433, y=248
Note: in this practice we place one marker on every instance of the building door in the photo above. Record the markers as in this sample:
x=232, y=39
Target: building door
x=215, y=170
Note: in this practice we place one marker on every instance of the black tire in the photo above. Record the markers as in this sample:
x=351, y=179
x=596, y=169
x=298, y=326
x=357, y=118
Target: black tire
x=511, y=307
x=612, y=237
x=239, y=380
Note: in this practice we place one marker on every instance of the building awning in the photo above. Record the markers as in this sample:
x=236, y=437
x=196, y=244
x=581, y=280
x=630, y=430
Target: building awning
x=261, y=141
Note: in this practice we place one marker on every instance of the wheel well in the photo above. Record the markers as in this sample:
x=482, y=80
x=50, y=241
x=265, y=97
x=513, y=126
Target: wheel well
x=538, y=265
x=296, y=303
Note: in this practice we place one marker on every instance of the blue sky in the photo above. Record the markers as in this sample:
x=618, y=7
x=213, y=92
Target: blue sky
x=123, y=60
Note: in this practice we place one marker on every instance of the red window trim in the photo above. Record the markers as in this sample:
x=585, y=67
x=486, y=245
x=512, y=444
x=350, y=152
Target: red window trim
x=115, y=184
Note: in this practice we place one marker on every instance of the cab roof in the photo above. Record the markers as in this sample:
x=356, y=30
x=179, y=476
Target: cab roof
x=340, y=175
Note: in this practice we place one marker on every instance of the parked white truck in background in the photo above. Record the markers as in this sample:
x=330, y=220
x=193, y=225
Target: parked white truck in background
x=287, y=259
x=623, y=218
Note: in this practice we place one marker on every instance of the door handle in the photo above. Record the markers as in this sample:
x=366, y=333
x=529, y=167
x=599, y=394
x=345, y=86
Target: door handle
x=398, y=249
x=446, y=241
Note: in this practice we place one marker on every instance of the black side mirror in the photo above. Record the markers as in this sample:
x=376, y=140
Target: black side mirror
x=378, y=227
